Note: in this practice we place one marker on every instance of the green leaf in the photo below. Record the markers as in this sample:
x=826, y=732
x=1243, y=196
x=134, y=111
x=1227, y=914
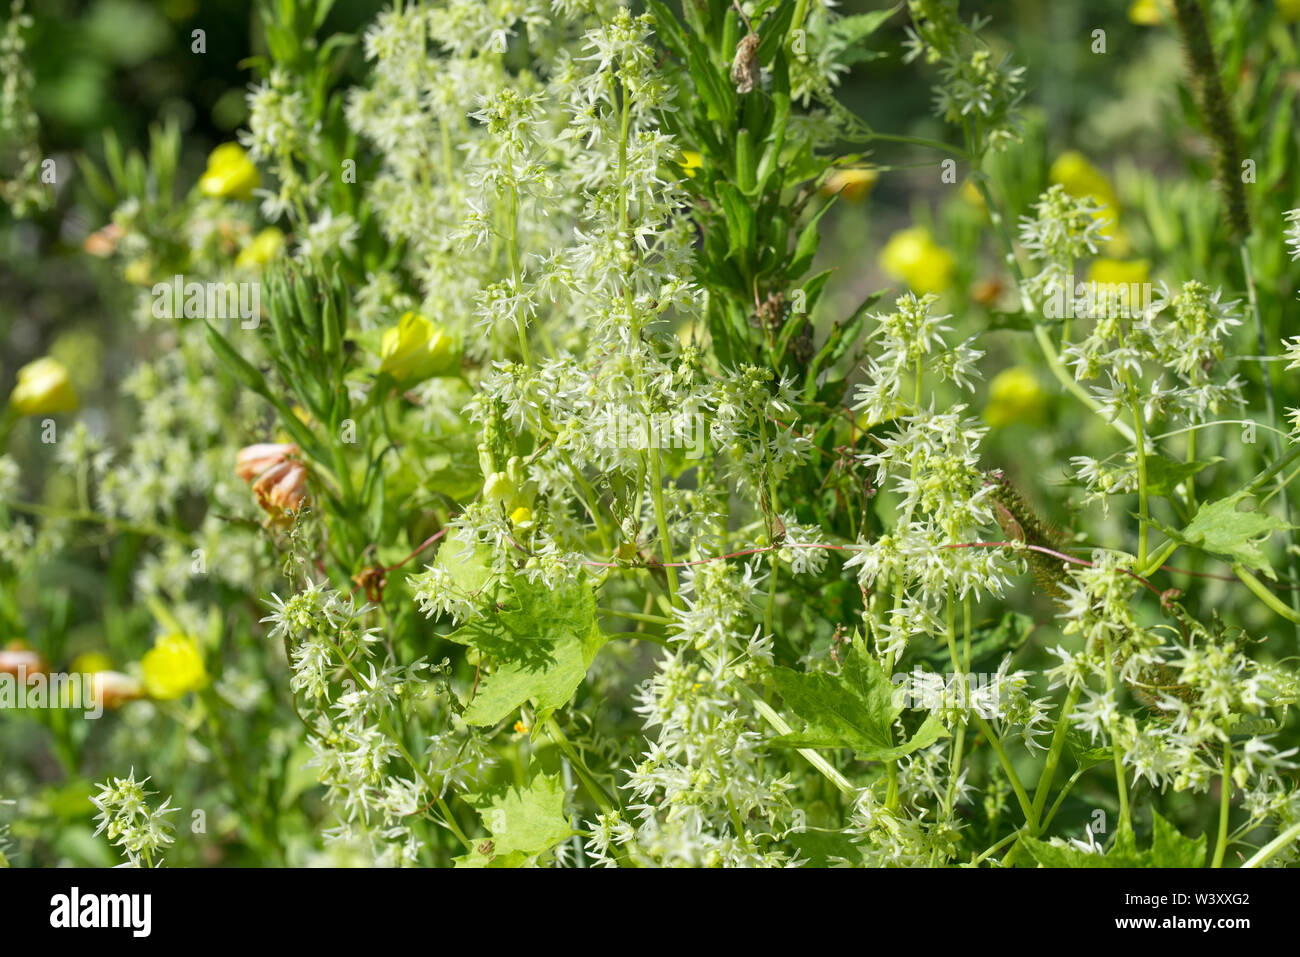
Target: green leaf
x=1085, y=753
x=856, y=28
x=1221, y=529
x=523, y=822
x=854, y=709
x=739, y=215
x=541, y=649
x=1164, y=476
x=1169, y=848
x=806, y=246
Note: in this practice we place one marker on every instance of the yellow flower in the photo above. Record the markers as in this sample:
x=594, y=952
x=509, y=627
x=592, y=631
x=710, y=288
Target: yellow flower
x=912, y=256
x=521, y=728
x=1289, y=10
x=1145, y=13
x=172, y=667
x=139, y=272
x=265, y=246
x=1015, y=395
x=523, y=516
x=43, y=387
x=1080, y=178
x=91, y=662
x=691, y=161
x=1119, y=272
x=230, y=173
x=971, y=195
x=415, y=349
x=852, y=184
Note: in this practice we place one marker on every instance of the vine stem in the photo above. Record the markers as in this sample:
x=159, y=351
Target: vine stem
x=1264, y=595
x=1265, y=853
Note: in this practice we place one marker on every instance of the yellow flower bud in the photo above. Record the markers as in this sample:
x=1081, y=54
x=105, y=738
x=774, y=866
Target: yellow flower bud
x=912, y=256
x=415, y=349
x=851, y=184
x=172, y=667
x=691, y=161
x=42, y=388
x=498, y=488
x=1015, y=395
x=265, y=247
x=230, y=173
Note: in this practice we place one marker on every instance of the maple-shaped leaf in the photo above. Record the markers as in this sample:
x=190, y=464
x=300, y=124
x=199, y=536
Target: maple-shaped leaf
x=854, y=709
x=1169, y=848
x=539, y=649
x=1222, y=529
x=523, y=821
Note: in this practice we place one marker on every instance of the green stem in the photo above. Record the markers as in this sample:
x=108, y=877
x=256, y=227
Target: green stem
x=781, y=727
x=589, y=782
x=1264, y=595
x=1225, y=800
x=1262, y=856
x=1121, y=782
x=1026, y=806
x=1139, y=443
x=1044, y=786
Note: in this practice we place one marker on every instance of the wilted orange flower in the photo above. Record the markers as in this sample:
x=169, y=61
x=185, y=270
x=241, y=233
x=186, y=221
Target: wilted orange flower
x=12, y=659
x=253, y=460
x=103, y=242
x=282, y=487
x=112, y=689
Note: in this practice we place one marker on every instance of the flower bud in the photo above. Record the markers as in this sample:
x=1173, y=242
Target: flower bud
x=42, y=388
x=851, y=184
x=416, y=349
x=230, y=173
